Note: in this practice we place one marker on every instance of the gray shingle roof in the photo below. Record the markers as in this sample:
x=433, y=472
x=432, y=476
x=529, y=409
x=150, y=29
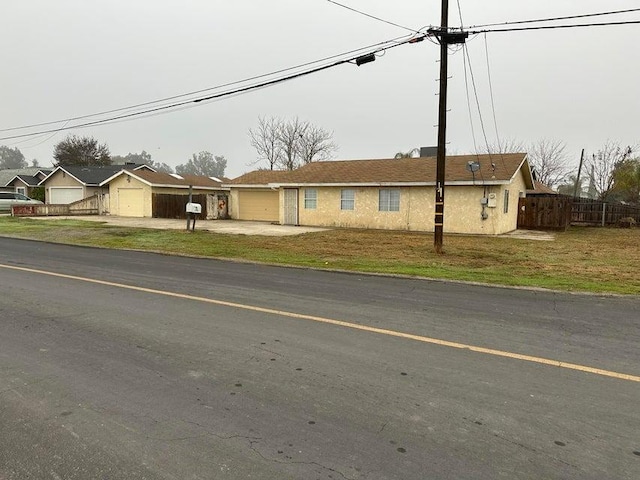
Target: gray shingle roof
x=9, y=174
x=94, y=175
x=29, y=180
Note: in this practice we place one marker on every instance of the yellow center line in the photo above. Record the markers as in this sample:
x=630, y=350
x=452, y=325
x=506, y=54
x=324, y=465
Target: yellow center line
x=354, y=326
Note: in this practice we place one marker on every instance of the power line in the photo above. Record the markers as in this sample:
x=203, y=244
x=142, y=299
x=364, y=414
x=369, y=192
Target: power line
x=553, y=27
x=475, y=91
x=466, y=86
x=460, y=14
x=553, y=19
x=372, y=16
x=217, y=87
x=493, y=105
x=208, y=98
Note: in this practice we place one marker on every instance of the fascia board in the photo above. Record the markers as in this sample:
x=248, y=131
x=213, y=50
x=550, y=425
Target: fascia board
x=65, y=171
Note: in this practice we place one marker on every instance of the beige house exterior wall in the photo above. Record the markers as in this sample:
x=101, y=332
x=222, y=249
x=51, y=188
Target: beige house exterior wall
x=463, y=209
x=61, y=179
x=17, y=183
x=233, y=204
x=517, y=189
x=416, y=212
x=121, y=182
x=91, y=191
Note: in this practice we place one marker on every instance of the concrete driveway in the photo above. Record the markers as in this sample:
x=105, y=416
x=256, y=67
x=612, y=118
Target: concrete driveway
x=234, y=227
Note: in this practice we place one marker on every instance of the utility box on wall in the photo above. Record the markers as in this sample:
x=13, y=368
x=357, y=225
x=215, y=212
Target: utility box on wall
x=492, y=201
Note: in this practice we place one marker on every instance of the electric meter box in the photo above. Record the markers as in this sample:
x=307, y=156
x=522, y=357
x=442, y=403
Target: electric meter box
x=492, y=202
x=194, y=208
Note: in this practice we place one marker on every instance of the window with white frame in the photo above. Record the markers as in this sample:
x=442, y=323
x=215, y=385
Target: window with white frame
x=310, y=198
x=21, y=190
x=389, y=200
x=347, y=199
x=506, y=201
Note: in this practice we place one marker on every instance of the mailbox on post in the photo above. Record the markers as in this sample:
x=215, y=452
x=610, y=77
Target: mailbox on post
x=194, y=208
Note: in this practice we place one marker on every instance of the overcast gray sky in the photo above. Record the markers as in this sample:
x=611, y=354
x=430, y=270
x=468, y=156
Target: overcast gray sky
x=74, y=57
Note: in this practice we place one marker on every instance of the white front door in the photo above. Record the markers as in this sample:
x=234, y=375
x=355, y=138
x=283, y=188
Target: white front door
x=291, y=206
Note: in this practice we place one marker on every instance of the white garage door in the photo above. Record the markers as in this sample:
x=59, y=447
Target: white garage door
x=64, y=195
x=130, y=202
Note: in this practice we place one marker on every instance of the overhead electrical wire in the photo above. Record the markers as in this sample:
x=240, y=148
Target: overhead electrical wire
x=554, y=19
x=238, y=91
x=382, y=47
x=493, y=104
x=475, y=91
x=48, y=137
x=460, y=14
x=217, y=87
x=555, y=27
x=466, y=86
x=372, y=16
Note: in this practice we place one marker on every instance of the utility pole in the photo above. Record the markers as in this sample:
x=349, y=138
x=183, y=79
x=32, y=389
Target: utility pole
x=577, y=185
x=445, y=38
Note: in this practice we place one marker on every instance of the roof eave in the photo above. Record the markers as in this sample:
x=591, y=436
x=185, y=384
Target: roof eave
x=477, y=183
x=68, y=173
x=196, y=187
x=528, y=174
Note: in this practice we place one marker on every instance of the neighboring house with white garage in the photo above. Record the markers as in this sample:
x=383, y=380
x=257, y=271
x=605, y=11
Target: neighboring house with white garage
x=69, y=184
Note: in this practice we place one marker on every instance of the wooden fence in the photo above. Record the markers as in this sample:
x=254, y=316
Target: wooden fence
x=173, y=206
x=557, y=212
x=544, y=212
x=586, y=211
x=93, y=205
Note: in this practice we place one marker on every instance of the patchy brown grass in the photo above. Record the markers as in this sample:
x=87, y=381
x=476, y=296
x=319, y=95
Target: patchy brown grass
x=581, y=259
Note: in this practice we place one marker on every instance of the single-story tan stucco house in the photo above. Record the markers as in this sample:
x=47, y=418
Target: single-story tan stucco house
x=481, y=194
x=142, y=193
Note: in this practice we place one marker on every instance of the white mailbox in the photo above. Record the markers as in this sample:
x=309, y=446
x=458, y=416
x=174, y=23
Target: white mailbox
x=194, y=208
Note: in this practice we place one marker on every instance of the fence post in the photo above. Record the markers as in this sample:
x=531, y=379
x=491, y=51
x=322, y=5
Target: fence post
x=604, y=213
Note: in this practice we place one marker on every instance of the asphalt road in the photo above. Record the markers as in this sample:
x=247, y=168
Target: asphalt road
x=179, y=368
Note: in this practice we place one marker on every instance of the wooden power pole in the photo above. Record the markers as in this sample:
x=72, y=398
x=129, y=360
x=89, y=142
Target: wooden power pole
x=445, y=38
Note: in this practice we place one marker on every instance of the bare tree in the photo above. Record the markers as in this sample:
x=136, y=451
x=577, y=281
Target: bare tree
x=316, y=144
x=603, y=165
x=290, y=144
x=265, y=139
x=549, y=161
x=289, y=136
x=547, y=158
x=508, y=145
